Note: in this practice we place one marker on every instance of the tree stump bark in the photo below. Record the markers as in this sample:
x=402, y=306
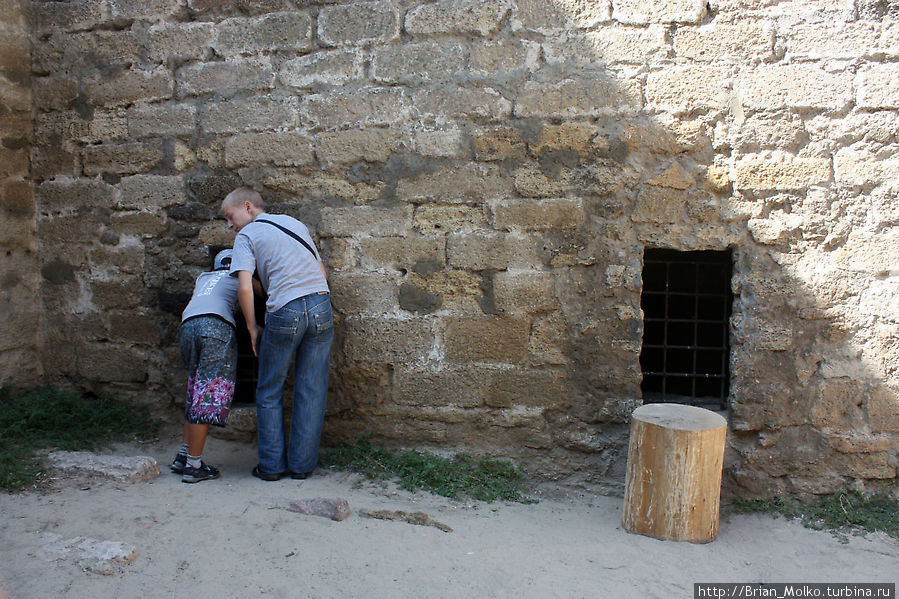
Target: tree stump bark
x=674, y=463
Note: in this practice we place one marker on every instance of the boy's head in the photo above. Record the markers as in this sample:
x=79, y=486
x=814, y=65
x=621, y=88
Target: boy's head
x=222, y=260
x=241, y=206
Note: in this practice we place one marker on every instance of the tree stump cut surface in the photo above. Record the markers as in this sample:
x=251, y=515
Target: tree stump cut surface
x=674, y=463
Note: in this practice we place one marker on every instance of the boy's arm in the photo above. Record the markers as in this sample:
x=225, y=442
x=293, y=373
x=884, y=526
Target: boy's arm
x=247, y=306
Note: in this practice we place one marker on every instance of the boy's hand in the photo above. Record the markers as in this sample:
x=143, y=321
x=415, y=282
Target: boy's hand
x=255, y=339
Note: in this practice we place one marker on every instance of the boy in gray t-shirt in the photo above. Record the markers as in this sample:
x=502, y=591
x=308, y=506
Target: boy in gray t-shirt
x=299, y=329
x=208, y=344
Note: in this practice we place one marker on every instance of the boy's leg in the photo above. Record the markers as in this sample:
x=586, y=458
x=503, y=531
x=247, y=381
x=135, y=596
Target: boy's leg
x=177, y=465
x=189, y=346
x=195, y=470
x=197, y=438
x=211, y=390
x=276, y=350
x=310, y=390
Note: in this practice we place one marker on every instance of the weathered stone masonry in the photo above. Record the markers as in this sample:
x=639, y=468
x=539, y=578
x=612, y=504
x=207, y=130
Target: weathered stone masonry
x=20, y=310
x=483, y=178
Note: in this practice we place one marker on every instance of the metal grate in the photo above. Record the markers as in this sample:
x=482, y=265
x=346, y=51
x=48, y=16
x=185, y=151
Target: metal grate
x=686, y=303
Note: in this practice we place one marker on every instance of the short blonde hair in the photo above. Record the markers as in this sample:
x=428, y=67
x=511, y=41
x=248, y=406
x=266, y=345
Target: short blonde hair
x=241, y=195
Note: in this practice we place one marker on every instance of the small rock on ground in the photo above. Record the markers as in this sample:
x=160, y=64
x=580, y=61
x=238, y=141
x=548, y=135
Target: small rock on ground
x=417, y=518
x=334, y=508
x=92, y=555
x=126, y=469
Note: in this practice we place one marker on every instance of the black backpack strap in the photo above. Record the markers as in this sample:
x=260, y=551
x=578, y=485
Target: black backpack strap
x=291, y=233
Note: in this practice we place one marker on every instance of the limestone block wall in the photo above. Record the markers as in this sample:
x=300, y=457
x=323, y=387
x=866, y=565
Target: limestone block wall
x=483, y=178
x=20, y=308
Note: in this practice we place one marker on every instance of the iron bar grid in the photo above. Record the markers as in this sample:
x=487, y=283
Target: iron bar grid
x=686, y=303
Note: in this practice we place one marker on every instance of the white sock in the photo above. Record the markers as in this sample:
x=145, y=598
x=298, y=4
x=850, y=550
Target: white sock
x=194, y=461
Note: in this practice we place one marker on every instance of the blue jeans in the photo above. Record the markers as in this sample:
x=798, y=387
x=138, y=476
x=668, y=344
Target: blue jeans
x=300, y=333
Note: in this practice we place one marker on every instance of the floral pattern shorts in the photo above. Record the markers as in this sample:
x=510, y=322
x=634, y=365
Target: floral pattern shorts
x=208, y=347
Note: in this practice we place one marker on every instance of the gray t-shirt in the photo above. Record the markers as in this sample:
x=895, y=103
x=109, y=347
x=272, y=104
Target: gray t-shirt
x=214, y=293
x=286, y=268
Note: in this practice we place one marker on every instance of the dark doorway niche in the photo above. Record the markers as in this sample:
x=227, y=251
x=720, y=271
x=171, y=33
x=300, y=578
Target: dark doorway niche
x=247, y=364
x=686, y=303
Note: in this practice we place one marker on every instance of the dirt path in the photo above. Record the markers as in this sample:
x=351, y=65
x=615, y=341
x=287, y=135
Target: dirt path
x=230, y=538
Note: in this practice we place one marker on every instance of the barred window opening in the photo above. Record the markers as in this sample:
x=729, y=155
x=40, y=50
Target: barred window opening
x=686, y=303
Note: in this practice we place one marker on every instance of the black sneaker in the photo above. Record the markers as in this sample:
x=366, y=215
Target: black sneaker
x=195, y=475
x=266, y=475
x=178, y=464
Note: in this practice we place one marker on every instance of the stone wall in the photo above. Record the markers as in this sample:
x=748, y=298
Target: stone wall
x=483, y=178
x=20, y=309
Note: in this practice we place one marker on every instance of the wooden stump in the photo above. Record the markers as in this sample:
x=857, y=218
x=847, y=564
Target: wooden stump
x=674, y=462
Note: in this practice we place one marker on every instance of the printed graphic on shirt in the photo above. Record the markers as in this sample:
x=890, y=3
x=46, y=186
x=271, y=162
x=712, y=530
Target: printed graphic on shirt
x=211, y=282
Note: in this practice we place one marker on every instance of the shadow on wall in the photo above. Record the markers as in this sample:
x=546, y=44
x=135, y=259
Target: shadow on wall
x=484, y=178
x=20, y=280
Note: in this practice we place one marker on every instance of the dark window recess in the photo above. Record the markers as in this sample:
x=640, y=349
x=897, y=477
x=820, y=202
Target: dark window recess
x=686, y=305
x=247, y=364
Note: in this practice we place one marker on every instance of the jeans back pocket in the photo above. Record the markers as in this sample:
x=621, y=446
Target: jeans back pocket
x=285, y=324
x=323, y=319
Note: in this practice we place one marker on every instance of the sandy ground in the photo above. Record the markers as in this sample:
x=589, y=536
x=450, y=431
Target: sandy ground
x=227, y=538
